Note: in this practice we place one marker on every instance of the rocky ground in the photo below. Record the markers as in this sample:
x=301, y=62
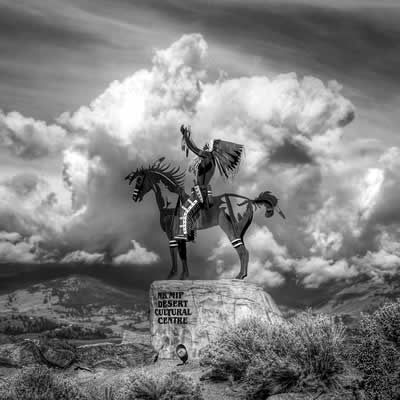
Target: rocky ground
x=96, y=381
x=211, y=390
x=111, y=364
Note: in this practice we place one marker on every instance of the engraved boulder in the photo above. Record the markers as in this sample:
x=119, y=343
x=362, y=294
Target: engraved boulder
x=193, y=312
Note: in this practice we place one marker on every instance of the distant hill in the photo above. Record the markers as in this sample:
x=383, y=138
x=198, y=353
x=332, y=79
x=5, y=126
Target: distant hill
x=84, y=300
x=78, y=299
x=364, y=296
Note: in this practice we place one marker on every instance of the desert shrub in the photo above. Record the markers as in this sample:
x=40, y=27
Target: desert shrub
x=80, y=332
x=40, y=383
x=262, y=380
x=16, y=324
x=298, y=355
x=388, y=319
x=5, y=393
x=142, y=385
x=376, y=353
x=233, y=349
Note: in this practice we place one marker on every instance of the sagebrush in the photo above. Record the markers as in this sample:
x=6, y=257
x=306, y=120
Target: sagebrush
x=40, y=383
x=142, y=385
x=304, y=354
x=376, y=352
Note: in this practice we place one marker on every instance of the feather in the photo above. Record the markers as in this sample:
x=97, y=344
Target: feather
x=227, y=156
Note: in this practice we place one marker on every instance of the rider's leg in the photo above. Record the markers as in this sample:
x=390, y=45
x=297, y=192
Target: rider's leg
x=187, y=214
x=210, y=196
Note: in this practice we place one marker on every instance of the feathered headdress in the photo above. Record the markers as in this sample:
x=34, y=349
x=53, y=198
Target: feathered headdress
x=227, y=157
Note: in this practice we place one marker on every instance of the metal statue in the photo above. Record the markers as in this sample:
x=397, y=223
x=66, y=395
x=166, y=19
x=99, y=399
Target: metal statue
x=201, y=209
x=225, y=155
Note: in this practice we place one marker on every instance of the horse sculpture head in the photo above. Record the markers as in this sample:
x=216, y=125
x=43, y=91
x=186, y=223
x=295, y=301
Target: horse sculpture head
x=142, y=185
x=146, y=178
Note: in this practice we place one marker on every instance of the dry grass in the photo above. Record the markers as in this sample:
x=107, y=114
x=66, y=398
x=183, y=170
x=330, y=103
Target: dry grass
x=376, y=352
x=142, y=385
x=301, y=355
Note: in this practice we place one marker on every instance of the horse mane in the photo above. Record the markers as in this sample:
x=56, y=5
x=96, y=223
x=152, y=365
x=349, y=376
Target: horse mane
x=171, y=177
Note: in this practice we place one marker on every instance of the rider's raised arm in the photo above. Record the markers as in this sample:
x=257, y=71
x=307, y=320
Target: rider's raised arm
x=190, y=144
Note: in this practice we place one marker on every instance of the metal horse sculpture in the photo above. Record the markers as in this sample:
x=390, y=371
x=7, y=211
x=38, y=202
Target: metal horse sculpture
x=235, y=227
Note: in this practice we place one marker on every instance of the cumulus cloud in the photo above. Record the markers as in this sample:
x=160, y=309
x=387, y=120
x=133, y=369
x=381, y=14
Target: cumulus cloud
x=387, y=202
x=318, y=270
x=292, y=128
x=267, y=258
x=11, y=237
x=16, y=248
x=131, y=118
x=29, y=138
x=370, y=189
x=75, y=175
x=83, y=257
x=145, y=107
x=136, y=256
x=31, y=219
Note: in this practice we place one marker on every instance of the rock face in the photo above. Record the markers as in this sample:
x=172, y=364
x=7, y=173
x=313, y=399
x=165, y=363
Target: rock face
x=107, y=355
x=192, y=312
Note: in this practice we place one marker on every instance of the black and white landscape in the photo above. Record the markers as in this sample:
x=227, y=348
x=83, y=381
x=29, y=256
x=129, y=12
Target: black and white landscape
x=91, y=90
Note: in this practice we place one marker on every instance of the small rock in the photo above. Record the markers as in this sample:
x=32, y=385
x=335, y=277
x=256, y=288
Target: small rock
x=58, y=353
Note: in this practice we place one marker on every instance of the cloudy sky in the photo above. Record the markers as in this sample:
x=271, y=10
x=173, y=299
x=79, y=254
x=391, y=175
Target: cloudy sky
x=90, y=90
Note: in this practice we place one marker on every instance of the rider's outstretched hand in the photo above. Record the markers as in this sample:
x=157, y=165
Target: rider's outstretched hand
x=185, y=130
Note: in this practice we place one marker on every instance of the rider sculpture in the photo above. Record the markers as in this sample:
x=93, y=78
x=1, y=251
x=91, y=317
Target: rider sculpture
x=200, y=209
x=219, y=153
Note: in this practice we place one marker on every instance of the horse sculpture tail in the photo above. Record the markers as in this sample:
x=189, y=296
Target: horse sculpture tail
x=269, y=201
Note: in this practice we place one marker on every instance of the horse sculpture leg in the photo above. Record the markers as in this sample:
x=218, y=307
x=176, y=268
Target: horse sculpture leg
x=183, y=256
x=244, y=258
x=173, y=249
x=236, y=239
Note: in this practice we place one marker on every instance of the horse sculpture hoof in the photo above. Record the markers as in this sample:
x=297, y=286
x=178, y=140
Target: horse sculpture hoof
x=171, y=275
x=241, y=276
x=184, y=276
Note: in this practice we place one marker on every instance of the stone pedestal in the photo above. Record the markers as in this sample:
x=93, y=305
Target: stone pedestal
x=192, y=312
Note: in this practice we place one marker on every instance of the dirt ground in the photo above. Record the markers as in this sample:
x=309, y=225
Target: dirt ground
x=211, y=390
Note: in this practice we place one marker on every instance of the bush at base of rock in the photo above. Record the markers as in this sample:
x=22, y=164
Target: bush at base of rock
x=301, y=355
x=39, y=383
x=376, y=352
x=144, y=386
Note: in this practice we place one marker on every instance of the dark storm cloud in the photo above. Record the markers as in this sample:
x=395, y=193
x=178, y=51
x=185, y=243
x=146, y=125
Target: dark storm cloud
x=291, y=153
x=49, y=52
x=359, y=47
x=26, y=28
x=361, y=44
